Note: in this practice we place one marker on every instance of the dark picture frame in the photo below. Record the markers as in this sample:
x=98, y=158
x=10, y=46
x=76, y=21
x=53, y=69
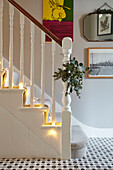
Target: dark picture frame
x=100, y=61
x=104, y=24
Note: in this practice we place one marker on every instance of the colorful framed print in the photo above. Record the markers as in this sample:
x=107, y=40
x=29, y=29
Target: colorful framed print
x=100, y=61
x=104, y=24
x=58, y=17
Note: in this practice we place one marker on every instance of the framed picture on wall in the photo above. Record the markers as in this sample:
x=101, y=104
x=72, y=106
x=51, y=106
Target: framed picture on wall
x=104, y=24
x=100, y=61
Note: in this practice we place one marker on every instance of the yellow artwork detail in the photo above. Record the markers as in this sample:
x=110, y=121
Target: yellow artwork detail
x=54, y=10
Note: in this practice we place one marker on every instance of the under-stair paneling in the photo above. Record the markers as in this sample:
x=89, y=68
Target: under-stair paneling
x=34, y=120
x=40, y=147
x=11, y=99
x=32, y=117
x=53, y=136
x=6, y=133
x=20, y=139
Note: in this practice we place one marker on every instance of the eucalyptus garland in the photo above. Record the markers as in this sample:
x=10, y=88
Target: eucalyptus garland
x=72, y=73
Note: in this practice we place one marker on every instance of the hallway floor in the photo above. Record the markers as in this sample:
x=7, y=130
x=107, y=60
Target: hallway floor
x=99, y=157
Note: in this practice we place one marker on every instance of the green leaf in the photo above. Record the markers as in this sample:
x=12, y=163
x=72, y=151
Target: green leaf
x=81, y=64
x=90, y=71
x=87, y=68
x=83, y=67
x=76, y=62
x=72, y=73
x=64, y=65
x=71, y=90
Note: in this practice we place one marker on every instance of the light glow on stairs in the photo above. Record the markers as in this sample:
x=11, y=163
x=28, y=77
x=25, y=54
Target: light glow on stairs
x=50, y=124
x=52, y=132
x=20, y=85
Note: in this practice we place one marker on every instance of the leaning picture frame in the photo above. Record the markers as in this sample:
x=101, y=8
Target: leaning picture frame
x=100, y=61
x=104, y=24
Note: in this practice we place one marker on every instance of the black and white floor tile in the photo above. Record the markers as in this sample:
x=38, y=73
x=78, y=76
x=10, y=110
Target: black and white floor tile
x=99, y=157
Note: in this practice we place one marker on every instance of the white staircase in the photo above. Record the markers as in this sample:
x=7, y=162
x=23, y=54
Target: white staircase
x=24, y=128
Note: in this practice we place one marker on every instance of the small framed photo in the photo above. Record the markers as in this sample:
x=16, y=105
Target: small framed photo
x=104, y=24
x=100, y=61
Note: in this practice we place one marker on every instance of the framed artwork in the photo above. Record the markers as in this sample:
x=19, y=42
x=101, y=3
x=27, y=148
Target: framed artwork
x=100, y=61
x=58, y=17
x=104, y=24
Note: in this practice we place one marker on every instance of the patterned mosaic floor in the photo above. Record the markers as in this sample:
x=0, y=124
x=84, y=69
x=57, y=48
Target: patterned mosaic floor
x=99, y=157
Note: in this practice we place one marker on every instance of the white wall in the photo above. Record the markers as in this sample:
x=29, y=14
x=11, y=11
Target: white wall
x=95, y=106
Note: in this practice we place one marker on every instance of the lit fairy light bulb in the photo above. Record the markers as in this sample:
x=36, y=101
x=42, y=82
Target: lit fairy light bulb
x=53, y=123
x=20, y=85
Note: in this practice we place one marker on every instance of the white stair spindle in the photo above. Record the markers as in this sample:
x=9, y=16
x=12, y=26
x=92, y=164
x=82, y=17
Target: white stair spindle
x=1, y=35
x=21, y=51
x=32, y=66
x=42, y=67
x=66, y=109
x=1, y=43
x=53, y=81
x=11, y=14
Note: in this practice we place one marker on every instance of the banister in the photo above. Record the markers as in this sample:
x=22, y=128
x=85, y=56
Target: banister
x=37, y=23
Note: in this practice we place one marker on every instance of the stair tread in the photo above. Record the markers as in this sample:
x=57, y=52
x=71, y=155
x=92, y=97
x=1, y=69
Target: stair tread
x=34, y=108
x=12, y=90
x=78, y=138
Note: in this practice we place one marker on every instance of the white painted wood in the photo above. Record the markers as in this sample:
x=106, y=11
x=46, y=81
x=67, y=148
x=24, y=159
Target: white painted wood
x=21, y=82
x=66, y=135
x=20, y=139
x=1, y=41
x=32, y=65
x=37, y=88
x=90, y=131
x=38, y=148
x=67, y=50
x=1, y=35
x=10, y=91
x=11, y=16
x=42, y=67
x=53, y=81
x=66, y=109
x=44, y=138
x=6, y=134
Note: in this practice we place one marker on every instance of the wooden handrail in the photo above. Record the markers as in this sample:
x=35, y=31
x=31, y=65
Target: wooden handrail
x=37, y=23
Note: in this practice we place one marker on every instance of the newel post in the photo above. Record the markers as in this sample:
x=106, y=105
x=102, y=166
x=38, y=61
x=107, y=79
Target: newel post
x=66, y=109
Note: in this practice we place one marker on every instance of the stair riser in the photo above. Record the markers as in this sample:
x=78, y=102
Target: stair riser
x=12, y=101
